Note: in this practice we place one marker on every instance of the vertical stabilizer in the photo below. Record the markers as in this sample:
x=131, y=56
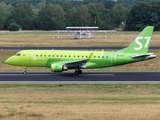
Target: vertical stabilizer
x=141, y=43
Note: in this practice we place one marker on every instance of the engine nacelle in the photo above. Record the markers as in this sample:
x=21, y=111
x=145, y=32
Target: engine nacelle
x=58, y=68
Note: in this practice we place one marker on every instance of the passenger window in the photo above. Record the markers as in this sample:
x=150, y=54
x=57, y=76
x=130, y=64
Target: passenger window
x=48, y=55
x=57, y=55
x=52, y=55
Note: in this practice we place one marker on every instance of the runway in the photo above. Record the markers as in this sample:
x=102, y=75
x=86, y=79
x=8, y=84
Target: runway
x=85, y=78
x=68, y=48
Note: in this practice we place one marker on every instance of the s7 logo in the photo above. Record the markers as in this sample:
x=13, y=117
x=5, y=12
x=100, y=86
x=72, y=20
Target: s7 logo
x=147, y=39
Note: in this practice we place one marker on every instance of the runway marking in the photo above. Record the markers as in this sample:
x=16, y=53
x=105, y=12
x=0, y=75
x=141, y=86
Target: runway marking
x=100, y=74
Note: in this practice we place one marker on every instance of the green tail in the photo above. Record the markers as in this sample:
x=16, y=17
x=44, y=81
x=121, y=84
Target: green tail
x=141, y=43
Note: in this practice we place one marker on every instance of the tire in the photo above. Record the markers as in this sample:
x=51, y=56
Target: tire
x=80, y=71
x=76, y=73
x=24, y=72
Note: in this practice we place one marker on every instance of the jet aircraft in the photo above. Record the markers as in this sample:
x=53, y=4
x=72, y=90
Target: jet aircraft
x=63, y=60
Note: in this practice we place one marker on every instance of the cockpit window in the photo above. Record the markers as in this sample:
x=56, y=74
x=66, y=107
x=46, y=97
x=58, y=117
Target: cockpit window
x=17, y=54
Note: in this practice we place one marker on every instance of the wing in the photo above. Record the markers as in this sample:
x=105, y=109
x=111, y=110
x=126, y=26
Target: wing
x=78, y=63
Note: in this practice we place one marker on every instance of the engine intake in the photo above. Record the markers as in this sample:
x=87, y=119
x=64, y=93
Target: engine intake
x=58, y=68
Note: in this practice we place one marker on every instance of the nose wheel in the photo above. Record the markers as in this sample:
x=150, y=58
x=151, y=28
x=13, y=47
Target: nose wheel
x=25, y=71
x=77, y=72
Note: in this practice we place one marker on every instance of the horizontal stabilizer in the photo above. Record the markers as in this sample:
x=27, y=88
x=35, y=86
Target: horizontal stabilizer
x=149, y=55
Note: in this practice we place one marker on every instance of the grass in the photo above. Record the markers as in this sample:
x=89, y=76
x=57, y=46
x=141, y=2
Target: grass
x=79, y=101
x=41, y=38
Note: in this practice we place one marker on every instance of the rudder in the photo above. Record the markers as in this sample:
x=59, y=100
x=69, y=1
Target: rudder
x=141, y=42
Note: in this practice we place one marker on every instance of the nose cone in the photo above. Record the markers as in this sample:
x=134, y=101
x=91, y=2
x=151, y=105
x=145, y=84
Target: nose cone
x=8, y=61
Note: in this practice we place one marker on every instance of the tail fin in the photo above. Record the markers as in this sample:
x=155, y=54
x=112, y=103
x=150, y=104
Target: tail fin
x=141, y=43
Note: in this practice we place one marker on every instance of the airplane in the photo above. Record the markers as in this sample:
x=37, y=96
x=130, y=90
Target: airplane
x=63, y=60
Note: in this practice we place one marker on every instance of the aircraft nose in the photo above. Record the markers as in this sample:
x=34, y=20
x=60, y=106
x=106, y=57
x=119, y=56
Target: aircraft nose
x=8, y=61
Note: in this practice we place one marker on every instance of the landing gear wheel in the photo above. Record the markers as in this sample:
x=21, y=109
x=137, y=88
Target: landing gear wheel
x=80, y=71
x=25, y=71
x=76, y=73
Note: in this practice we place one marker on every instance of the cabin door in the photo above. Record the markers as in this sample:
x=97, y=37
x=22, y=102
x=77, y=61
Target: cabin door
x=113, y=57
x=30, y=57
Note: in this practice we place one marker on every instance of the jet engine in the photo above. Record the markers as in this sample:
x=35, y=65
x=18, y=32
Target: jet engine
x=58, y=68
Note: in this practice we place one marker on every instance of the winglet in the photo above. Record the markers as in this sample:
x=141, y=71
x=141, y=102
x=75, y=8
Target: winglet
x=89, y=57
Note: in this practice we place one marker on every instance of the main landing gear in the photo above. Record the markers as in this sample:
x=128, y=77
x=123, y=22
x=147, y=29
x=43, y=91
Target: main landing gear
x=77, y=72
x=25, y=71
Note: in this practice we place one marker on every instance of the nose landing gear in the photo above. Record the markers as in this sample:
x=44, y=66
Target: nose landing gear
x=25, y=70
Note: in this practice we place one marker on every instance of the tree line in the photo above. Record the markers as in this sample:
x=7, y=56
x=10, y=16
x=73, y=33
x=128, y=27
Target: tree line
x=58, y=16
x=55, y=16
x=76, y=3
x=143, y=14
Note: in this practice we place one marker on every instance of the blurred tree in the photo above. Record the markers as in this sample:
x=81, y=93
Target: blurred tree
x=51, y=17
x=109, y=4
x=118, y=14
x=143, y=14
x=92, y=9
x=22, y=14
x=102, y=16
x=8, y=8
x=13, y=27
x=71, y=17
x=154, y=18
x=67, y=6
x=83, y=16
x=3, y=14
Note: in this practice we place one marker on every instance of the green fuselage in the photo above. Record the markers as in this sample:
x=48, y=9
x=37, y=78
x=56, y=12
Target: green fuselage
x=45, y=58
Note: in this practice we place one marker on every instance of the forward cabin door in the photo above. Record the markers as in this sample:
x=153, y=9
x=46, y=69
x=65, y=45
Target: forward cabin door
x=113, y=57
x=30, y=57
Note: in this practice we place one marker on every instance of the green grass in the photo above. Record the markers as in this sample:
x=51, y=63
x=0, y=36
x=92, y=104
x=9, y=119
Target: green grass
x=79, y=101
x=37, y=38
x=98, y=93
x=95, y=88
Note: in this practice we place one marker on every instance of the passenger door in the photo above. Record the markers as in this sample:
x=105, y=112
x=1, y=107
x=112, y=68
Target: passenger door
x=113, y=57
